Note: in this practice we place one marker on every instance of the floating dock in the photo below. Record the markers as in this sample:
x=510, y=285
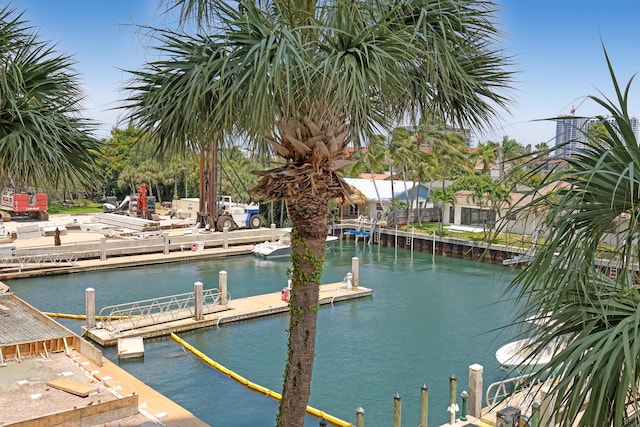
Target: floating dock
x=130, y=348
x=237, y=310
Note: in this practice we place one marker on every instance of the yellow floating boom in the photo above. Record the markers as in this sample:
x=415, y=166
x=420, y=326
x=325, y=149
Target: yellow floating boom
x=242, y=380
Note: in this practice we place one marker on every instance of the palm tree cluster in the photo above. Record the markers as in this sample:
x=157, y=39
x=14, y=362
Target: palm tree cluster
x=305, y=79
x=43, y=139
x=597, y=318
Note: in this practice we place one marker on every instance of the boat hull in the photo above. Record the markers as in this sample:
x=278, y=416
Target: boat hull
x=281, y=248
x=516, y=357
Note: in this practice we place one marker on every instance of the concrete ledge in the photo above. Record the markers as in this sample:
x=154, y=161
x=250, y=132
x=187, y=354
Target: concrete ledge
x=92, y=414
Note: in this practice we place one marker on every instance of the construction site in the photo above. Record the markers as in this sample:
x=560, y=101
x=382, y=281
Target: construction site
x=51, y=376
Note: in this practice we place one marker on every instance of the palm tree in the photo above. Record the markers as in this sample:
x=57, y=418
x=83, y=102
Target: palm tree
x=442, y=196
x=487, y=154
x=307, y=78
x=44, y=141
x=425, y=170
x=508, y=150
x=375, y=155
x=400, y=156
x=409, y=156
x=542, y=146
x=598, y=370
x=449, y=151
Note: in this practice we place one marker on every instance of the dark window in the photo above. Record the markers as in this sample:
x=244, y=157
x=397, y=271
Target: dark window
x=477, y=217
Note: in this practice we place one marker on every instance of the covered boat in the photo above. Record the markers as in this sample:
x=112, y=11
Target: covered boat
x=281, y=247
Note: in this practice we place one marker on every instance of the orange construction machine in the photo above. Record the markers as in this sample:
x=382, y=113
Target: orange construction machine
x=30, y=203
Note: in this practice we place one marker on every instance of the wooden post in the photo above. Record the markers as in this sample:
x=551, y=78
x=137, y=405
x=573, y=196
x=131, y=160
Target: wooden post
x=90, y=307
x=508, y=421
x=475, y=390
x=355, y=272
x=397, y=410
x=412, y=229
x=535, y=414
x=359, y=417
x=165, y=242
x=103, y=248
x=433, y=248
x=225, y=238
x=424, y=406
x=546, y=408
x=453, y=405
x=396, y=239
x=273, y=232
x=222, y=286
x=198, y=303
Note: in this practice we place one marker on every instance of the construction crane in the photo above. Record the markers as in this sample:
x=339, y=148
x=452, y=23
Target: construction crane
x=574, y=108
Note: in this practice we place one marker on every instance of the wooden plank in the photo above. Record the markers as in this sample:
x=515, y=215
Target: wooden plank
x=72, y=387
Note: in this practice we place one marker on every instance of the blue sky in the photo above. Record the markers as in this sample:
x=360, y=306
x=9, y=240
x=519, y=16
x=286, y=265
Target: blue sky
x=556, y=46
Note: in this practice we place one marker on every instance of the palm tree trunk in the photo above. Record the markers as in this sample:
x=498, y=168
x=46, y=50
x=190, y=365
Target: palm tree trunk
x=212, y=195
x=270, y=213
x=375, y=187
x=158, y=192
x=417, y=201
x=201, y=194
x=406, y=189
x=393, y=196
x=309, y=218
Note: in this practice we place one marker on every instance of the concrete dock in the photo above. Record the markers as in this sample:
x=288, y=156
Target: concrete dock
x=50, y=376
x=237, y=310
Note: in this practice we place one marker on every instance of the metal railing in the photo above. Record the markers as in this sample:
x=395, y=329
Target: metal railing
x=37, y=257
x=498, y=391
x=137, y=314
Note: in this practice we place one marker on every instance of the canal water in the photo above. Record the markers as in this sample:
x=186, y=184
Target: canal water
x=427, y=320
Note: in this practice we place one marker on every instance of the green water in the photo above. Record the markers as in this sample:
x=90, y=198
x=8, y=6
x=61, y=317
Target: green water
x=424, y=322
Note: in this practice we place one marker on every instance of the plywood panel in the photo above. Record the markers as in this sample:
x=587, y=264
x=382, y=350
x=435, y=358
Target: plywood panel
x=73, y=387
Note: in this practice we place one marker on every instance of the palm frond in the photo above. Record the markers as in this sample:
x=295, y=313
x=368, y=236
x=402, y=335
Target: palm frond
x=43, y=139
x=597, y=195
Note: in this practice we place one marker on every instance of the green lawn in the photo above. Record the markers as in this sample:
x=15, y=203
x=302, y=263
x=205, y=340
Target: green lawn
x=503, y=238
x=79, y=207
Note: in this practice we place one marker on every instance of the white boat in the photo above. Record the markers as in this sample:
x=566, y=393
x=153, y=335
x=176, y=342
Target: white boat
x=281, y=247
x=516, y=356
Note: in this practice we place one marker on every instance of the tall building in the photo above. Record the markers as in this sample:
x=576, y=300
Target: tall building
x=572, y=131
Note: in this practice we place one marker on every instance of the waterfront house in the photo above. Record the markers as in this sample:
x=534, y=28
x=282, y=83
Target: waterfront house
x=380, y=195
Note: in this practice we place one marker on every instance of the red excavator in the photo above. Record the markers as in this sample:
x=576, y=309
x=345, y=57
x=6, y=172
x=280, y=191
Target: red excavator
x=139, y=205
x=29, y=203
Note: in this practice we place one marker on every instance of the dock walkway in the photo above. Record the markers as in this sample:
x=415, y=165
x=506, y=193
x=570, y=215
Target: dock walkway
x=124, y=262
x=237, y=310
